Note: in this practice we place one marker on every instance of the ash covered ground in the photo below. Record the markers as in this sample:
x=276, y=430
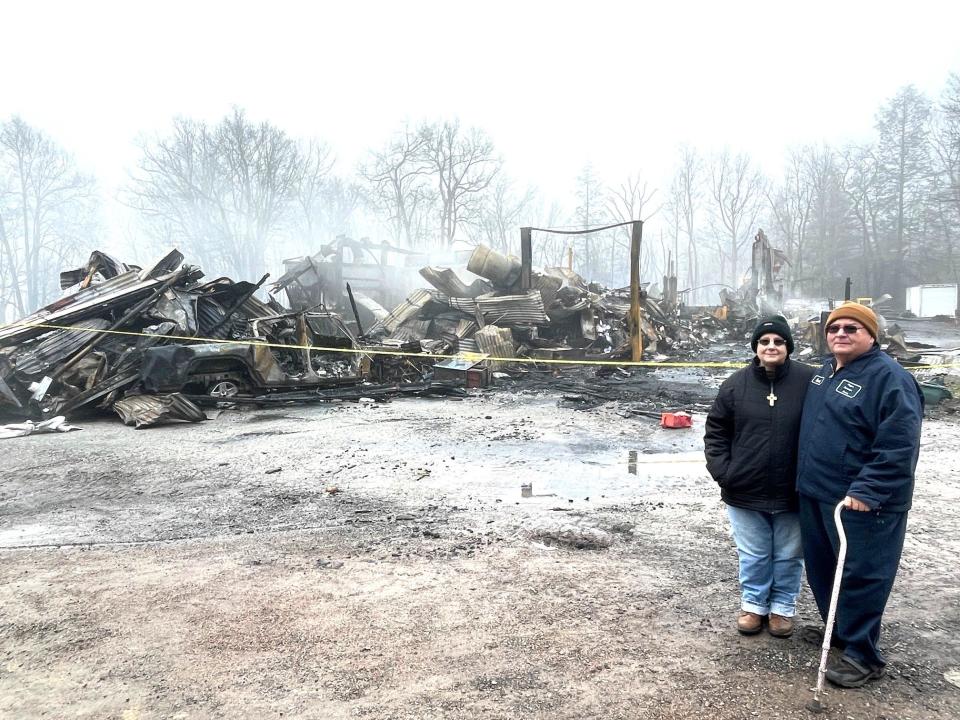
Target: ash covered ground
x=383, y=561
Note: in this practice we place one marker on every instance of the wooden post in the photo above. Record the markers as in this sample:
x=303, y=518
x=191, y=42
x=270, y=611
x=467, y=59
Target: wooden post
x=526, y=258
x=636, y=341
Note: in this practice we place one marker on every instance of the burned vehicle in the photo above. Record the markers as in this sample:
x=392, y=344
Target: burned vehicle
x=281, y=354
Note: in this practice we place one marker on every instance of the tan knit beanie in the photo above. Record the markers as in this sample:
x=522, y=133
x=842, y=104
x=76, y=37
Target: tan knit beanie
x=855, y=311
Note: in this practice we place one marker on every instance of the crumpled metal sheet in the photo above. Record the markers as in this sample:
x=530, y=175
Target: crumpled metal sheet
x=496, y=342
x=411, y=330
x=122, y=291
x=179, y=307
x=103, y=390
x=99, y=262
x=560, y=312
x=147, y=410
x=465, y=328
x=162, y=266
x=406, y=310
x=378, y=311
x=57, y=346
x=524, y=309
x=548, y=286
x=449, y=283
x=568, y=277
x=54, y=424
x=210, y=314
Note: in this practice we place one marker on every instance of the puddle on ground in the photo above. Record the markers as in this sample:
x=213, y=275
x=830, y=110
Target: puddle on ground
x=560, y=465
x=620, y=476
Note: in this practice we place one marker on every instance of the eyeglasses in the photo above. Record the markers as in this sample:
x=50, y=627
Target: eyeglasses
x=848, y=329
x=776, y=341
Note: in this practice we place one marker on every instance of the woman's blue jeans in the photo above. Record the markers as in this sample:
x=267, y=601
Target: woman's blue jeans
x=771, y=560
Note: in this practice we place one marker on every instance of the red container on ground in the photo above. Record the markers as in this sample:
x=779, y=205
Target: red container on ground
x=676, y=420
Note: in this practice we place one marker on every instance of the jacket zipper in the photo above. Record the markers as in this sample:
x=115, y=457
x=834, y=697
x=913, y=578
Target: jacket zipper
x=773, y=434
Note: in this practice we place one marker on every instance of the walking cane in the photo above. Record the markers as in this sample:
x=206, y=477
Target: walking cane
x=815, y=705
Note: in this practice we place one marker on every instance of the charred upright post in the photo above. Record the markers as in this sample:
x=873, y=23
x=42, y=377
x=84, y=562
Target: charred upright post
x=526, y=258
x=636, y=236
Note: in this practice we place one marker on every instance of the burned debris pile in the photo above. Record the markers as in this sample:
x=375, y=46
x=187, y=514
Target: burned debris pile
x=559, y=316
x=155, y=343
x=160, y=342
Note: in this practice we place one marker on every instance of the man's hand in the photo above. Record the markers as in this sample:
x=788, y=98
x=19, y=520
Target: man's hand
x=851, y=503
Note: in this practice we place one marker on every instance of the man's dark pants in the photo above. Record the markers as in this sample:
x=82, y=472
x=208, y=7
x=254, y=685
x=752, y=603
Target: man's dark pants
x=874, y=544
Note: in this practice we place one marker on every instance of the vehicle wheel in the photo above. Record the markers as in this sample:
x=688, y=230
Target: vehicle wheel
x=224, y=389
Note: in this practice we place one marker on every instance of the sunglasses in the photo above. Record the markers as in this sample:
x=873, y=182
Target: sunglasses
x=848, y=329
x=776, y=341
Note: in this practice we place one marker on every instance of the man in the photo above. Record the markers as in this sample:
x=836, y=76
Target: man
x=859, y=442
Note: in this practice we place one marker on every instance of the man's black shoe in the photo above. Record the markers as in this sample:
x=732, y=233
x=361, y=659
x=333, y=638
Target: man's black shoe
x=813, y=634
x=849, y=673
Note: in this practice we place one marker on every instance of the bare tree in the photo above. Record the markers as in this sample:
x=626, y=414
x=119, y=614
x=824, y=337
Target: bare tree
x=946, y=193
x=223, y=193
x=47, y=213
x=861, y=183
x=463, y=164
x=791, y=204
x=175, y=188
x=737, y=191
x=947, y=137
x=261, y=166
x=311, y=190
x=343, y=199
x=590, y=212
x=399, y=184
x=631, y=200
x=684, y=203
x=549, y=249
x=903, y=154
x=499, y=216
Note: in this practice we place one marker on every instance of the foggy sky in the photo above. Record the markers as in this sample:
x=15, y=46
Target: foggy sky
x=554, y=84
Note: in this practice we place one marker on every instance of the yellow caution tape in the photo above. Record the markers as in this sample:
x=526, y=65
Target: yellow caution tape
x=423, y=356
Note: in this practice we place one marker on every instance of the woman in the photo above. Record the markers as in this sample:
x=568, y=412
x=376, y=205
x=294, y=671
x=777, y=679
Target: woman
x=751, y=449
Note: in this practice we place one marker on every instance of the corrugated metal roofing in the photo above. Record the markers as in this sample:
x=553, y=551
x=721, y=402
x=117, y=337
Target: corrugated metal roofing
x=146, y=410
x=449, y=283
x=57, y=346
x=506, y=309
x=90, y=302
x=495, y=342
x=406, y=310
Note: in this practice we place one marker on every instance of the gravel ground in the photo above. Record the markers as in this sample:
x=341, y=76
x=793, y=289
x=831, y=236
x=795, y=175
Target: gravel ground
x=382, y=561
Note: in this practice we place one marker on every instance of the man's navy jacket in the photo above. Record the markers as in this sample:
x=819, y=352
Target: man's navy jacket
x=860, y=433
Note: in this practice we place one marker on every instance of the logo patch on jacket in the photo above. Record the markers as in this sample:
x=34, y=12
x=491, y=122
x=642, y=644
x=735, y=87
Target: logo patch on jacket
x=848, y=389
x=818, y=379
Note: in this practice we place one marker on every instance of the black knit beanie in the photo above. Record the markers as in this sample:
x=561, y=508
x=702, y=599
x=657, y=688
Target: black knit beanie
x=776, y=324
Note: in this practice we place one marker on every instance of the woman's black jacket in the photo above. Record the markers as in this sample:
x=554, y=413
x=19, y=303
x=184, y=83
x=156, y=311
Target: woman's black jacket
x=751, y=446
